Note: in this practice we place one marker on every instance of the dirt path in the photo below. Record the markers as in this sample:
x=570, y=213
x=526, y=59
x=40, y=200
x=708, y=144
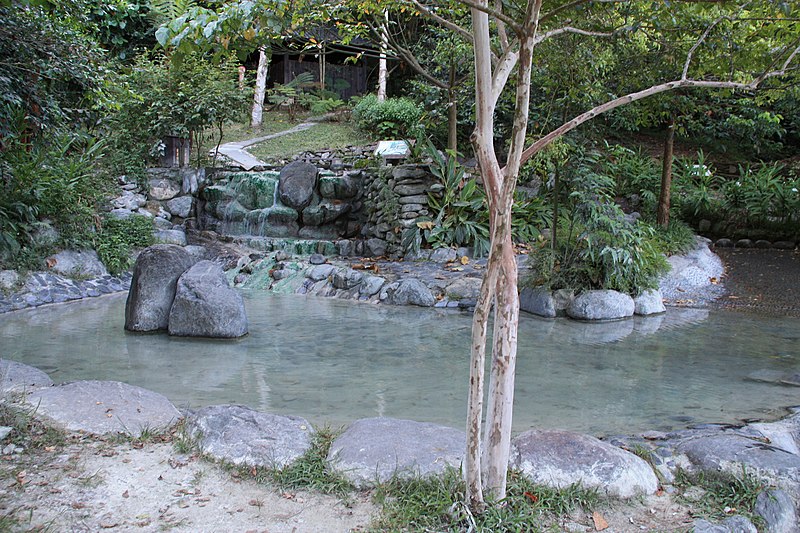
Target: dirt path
x=761, y=281
x=94, y=486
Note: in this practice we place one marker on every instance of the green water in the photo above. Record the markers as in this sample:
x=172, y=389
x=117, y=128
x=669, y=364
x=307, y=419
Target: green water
x=332, y=362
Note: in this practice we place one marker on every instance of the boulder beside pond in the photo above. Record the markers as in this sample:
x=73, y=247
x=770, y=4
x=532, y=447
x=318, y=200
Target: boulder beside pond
x=205, y=305
x=373, y=450
x=155, y=276
x=559, y=459
x=18, y=377
x=601, y=305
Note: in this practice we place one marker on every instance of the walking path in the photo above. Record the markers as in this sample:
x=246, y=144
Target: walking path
x=235, y=151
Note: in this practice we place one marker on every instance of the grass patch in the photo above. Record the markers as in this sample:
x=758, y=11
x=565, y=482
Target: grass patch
x=720, y=494
x=311, y=470
x=323, y=136
x=27, y=431
x=437, y=504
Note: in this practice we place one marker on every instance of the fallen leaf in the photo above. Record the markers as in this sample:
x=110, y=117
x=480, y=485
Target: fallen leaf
x=714, y=281
x=464, y=260
x=125, y=494
x=599, y=522
x=532, y=497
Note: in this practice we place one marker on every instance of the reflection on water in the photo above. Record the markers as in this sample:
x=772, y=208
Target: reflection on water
x=334, y=361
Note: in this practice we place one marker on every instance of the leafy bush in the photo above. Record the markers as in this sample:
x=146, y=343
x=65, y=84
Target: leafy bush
x=117, y=238
x=394, y=118
x=635, y=173
x=597, y=248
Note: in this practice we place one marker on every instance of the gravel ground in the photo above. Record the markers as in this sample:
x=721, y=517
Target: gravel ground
x=761, y=281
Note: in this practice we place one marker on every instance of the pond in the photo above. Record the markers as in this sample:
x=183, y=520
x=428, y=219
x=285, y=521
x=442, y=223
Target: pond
x=333, y=361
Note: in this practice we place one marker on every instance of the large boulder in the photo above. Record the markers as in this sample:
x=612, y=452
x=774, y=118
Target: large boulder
x=373, y=450
x=18, y=377
x=82, y=263
x=538, y=301
x=152, y=291
x=296, y=184
x=239, y=435
x=601, y=305
x=649, y=302
x=559, y=459
x=180, y=206
x=692, y=275
x=409, y=291
x=206, y=306
x=101, y=407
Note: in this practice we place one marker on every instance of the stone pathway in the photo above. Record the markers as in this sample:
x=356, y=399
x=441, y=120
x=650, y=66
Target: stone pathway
x=235, y=151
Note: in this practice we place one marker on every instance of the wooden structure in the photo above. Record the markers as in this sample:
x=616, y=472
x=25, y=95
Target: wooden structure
x=177, y=152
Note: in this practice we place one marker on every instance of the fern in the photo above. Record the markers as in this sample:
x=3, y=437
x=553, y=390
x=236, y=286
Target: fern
x=166, y=10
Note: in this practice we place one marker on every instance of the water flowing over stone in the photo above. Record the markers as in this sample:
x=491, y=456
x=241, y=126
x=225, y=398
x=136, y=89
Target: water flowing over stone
x=102, y=407
x=239, y=435
x=152, y=291
x=206, y=306
x=601, y=305
x=373, y=450
x=18, y=377
x=559, y=459
x=296, y=184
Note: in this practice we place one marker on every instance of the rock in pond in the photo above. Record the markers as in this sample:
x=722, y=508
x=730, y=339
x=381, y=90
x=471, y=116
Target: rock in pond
x=409, y=291
x=560, y=458
x=649, y=302
x=601, y=305
x=101, y=407
x=239, y=435
x=373, y=450
x=206, y=306
x=155, y=276
x=296, y=184
x=18, y=377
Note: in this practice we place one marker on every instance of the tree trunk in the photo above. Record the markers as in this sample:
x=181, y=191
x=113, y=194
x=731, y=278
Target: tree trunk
x=261, y=88
x=383, y=72
x=452, y=112
x=662, y=215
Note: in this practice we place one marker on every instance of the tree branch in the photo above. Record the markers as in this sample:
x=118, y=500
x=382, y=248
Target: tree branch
x=576, y=3
x=443, y=21
x=570, y=29
x=497, y=14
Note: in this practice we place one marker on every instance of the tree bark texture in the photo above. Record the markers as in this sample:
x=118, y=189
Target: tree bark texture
x=662, y=214
x=261, y=88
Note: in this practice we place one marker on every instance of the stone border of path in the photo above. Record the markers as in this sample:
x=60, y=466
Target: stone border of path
x=374, y=450
x=235, y=151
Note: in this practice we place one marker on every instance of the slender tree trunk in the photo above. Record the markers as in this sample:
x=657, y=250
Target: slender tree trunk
x=383, y=72
x=261, y=88
x=662, y=215
x=452, y=112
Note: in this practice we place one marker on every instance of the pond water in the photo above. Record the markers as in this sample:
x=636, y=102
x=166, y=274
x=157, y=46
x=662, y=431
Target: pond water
x=333, y=361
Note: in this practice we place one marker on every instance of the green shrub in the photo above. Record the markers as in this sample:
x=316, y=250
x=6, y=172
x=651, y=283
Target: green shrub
x=117, y=238
x=394, y=118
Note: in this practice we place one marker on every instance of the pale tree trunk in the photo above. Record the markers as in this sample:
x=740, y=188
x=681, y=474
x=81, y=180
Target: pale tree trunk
x=452, y=112
x=486, y=462
x=383, y=72
x=662, y=214
x=261, y=88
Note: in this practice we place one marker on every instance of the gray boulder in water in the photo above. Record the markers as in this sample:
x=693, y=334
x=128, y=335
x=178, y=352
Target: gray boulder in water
x=155, y=275
x=206, y=306
x=296, y=184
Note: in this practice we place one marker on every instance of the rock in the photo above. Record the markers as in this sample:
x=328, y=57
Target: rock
x=601, y=305
x=559, y=459
x=320, y=272
x=129, y=201
x=80, y=263
x=463, y=289
x=763, y=244
x=324, y=213
x=8, y=279
x=538, y=301
x=691, y=272
x=101, y=407
x=371, y=285
x=373, y=450
x=410, y=291
x=152, y=291
x=170, y=236
x=317, y=259
x=163, y=189
x=723, y=243
x=778, y=511
x=18, y=377
x=180, y=206
x=649, y=302
x=338, y=187
x=5, y=431
x=730, y=453
x=407, y=172
x=346, y=278
x=121, y=214
x=744, y=243
x=376, y=247
x=784, y=245
x=732, y=524
x=239, y=435
x=206, y=306
x=162, y=223
x=784, y=433
x=296, y=184
x=443, y=255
